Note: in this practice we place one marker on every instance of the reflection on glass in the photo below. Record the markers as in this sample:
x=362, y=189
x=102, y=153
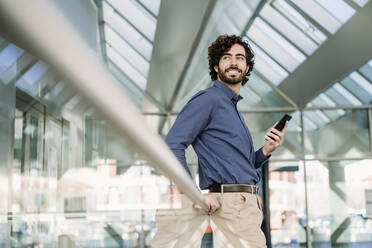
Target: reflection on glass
x=287, y=204
x=338, y=204
x=347, y=136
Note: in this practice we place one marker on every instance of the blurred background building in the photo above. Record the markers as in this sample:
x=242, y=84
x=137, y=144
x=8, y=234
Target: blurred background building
x=67, y=180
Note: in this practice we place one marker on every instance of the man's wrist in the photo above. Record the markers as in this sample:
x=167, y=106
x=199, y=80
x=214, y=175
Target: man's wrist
x=265, y=152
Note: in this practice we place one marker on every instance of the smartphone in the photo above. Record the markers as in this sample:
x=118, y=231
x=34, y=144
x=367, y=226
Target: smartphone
x=282, y=122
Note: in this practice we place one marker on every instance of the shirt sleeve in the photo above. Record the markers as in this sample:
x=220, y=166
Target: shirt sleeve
x=260, y=158
x=191, y=121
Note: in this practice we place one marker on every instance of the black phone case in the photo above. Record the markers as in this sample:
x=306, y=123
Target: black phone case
x=282, y=122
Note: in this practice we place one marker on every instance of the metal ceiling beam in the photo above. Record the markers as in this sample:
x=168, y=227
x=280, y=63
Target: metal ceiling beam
x=253, y=17
x=101, y=29
x=174, y=42
x=203, y=25
x=342, y=53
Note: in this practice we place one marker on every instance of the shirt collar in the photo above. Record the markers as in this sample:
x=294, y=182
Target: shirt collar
x=229, y=92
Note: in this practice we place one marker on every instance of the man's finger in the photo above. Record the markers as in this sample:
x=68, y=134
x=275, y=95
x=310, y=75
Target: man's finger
x=285, y=127
x=274, y=136
x=269, y=140
x=200, y=209
x=276, y=131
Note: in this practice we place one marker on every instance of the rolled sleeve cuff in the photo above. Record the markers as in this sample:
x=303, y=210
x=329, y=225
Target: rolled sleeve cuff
x=260, y=158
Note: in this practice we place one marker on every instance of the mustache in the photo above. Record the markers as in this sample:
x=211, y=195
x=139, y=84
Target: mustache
x=233, y=68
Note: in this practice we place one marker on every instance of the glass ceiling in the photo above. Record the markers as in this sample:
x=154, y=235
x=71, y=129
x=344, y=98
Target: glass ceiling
x=353, y=90
x=283, y=35
x=36, y=78
x=129, y=27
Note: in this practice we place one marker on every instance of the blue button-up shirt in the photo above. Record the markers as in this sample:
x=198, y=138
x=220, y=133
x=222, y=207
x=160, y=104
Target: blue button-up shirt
x=212, y=124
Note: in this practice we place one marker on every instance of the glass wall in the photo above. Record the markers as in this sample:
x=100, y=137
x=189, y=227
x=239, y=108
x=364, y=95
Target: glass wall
x=323, y=199
x=67, y=180
x=338, y=202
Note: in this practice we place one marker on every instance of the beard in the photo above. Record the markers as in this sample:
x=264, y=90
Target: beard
x=230, y=80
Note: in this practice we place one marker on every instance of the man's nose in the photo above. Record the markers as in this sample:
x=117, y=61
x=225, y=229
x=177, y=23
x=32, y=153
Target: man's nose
x=233, y=61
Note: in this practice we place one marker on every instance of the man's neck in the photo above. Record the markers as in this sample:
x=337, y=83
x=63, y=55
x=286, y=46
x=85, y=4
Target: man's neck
x=233, y=87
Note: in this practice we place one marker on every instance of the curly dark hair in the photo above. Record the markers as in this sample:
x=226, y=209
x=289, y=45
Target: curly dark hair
x=221, y=45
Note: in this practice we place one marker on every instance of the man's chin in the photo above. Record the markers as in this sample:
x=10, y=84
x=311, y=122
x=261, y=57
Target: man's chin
x=232, y=82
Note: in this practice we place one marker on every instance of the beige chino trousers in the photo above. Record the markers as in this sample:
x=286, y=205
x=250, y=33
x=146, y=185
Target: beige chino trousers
x=237, y=223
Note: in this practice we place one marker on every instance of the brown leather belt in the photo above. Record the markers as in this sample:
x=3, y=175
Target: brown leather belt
x=233, y=188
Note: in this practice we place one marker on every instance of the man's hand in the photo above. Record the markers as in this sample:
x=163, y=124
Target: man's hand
x=212, y=203
x=274, y=138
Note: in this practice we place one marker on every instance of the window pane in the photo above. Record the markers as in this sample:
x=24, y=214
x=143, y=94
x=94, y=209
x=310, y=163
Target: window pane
x=250, y=98
x=361, y=3
x=231, y=8
x=366, y=70
x=127, y=51
x=287, y=204
x=347, y=136
x=152, y=5
x=136, y=15
x=127, y=68
x=350, y=83
x=305, y=25
x=338, y=8
x=28, y=79
x=275, y=45
x=133, y=92
x=350, y=98
x=8, y=56
x=337, y=195
x=127, y=32
x=363, y=83
x=288, y=29
x=319, y=14
x=268, y=67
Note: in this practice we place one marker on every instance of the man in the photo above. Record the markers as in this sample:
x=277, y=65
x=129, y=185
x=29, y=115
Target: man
x=227, y=160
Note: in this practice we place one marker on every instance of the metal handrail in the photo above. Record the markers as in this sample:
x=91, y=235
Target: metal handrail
x=39, y=27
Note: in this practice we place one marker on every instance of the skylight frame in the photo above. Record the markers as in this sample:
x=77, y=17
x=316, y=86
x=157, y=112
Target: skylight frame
x=126, y=67
x=273, y=43
x=135, y=14
x=127, y=31
x=267, y=66
x=288, y=29
x=300, y=21
x=127, y=51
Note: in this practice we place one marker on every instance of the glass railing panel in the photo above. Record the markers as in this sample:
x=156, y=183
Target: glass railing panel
x=338, y=203
x=287, y=204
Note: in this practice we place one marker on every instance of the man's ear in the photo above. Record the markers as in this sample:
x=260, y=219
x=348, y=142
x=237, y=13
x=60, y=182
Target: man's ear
x=216, y=68
x=247, y=69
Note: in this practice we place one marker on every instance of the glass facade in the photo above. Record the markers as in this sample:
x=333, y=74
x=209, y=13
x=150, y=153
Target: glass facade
x=68, y=180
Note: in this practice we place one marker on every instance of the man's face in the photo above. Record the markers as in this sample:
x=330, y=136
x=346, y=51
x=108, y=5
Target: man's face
x=233, y=65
